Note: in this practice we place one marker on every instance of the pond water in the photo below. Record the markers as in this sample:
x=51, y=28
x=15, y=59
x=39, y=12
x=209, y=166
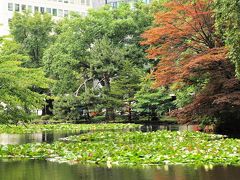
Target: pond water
x=170, y=127
x=50, y=137
x=45, y=170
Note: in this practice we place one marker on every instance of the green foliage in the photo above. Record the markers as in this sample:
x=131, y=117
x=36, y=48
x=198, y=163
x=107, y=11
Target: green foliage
x=106, y=62
x=46, y=117
x=227, y=15
x=90, y=54
x=17, y=96
x=68, y=108
x=184, y=96
x=121, y=25
x=61, y=67
x=105, y=59
x=35, y=128
x=134, y=148
x=153, y=100
x=207, y=120
x=185, y=93
x=157, y=5
x=68, y=61
x=33, y=33
x=126, y=85
x=98, y=119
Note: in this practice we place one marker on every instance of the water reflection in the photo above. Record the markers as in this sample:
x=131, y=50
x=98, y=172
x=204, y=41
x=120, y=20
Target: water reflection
x=44, y=170
x=170, y=127
x=48, y=137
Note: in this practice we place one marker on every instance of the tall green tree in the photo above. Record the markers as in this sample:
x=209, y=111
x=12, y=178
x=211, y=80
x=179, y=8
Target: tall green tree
x=106, y=61
x=17, y=96
x=33, y=32
x=227, y=15
x=126, y=85
x=77, y=35
x=83, y=54
x=152, y=102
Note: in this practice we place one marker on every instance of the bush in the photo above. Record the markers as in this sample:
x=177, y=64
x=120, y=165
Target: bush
x=98, y=119
x=68, y=108
x=46, y=117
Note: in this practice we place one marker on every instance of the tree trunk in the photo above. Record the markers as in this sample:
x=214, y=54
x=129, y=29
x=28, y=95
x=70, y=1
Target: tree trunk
x=88, y=115
x=109, y=110
x=47, y=110
x=129, y=111
x=154, y=114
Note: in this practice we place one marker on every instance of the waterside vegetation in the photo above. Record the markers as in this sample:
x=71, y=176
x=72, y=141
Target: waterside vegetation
x=123, y=148
x=35, y=128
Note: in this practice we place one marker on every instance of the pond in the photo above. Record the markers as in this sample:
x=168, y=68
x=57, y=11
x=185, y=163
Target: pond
x=44, y=170
x=52, y=136
x=40, y=137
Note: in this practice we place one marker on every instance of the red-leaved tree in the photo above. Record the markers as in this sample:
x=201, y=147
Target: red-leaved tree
x=183, y=38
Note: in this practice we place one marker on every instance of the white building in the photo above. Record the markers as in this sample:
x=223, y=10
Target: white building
x=116, y=3
x=58, y=9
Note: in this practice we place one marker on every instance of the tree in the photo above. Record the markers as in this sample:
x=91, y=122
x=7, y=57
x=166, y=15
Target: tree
x=17, y=97
x=126, y=85
x=153, y=102
x=77, y=61
x=106, y=61
x=33, y=32
x=227, y=15
x=69, y=108
x=191, y=53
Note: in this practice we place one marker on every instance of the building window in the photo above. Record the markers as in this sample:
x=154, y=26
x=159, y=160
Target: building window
x=36, y=9
x=71, y=1
x=10, y=6
x=17, y=7
x=66, y=13
x=29, y=8
x=82, y=2
x=49, y=10
x=114, y=4
x=42, y=10
x=60, y=13
x=60, y=0
x=54, y=12
x=88, y=2
x=65, y=1
x=146, y=1
x=23, y=7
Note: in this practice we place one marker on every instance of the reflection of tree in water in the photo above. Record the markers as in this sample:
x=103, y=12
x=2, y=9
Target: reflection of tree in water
x=45, y=170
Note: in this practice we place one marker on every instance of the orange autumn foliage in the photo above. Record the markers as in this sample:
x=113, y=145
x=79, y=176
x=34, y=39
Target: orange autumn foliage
x=183, y=38
x=179, y=38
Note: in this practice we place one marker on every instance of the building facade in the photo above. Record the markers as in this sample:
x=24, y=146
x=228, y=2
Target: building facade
x=57, y=8
x=116, y=3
